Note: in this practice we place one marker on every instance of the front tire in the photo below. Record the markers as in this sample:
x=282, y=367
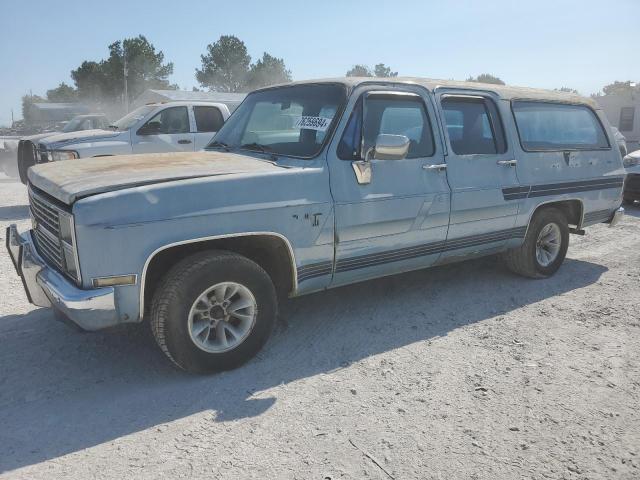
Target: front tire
x=213, y=311
x=544, y=248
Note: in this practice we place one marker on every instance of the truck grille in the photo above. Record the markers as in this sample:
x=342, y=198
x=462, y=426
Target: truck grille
x=45, y=217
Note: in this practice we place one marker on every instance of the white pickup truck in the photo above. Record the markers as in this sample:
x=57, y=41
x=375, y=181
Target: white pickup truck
x=153, y=128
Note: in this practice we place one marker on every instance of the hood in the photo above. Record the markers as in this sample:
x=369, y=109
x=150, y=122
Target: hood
x=72, y=179
x=40, y=136
x=80, y=136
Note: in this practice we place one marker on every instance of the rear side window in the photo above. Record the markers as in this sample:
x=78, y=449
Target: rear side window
x=208, y=119
x=473, y=126
x=558, y=126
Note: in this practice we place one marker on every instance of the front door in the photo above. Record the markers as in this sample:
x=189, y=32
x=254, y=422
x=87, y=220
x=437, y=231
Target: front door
x=167, y=131
x=399, y=220
x=481, y=173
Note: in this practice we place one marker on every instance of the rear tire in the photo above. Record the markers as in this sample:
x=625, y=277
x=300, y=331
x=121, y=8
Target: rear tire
x=227, y=298
x=544, y=248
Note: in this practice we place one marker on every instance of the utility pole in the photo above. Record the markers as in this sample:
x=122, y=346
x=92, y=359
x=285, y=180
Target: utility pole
x=126, y=87
x=12, y=118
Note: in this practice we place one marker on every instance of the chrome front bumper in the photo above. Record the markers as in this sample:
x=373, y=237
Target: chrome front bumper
x=89, y=309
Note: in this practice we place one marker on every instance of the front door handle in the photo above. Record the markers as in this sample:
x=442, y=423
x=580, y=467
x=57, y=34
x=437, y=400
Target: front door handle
x=439, y=167
x=507, y=163
x=184, y=142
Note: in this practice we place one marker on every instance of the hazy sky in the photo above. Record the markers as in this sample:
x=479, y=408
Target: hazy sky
x=582, y=44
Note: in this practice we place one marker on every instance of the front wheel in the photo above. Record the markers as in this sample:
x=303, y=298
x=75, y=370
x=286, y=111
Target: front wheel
x=544, y=248
x=213, y=311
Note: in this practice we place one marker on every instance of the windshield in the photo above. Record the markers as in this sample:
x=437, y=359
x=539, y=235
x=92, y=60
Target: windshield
x=130, y=119
x=72, y=125
x=291, y=121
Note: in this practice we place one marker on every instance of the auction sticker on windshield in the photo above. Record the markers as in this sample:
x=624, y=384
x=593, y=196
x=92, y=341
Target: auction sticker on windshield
x=312, y=123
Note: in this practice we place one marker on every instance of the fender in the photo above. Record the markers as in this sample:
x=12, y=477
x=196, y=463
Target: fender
x=292, y=258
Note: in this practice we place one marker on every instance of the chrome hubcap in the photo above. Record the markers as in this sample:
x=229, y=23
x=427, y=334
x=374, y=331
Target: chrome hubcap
x=548, y=244
x=222, y=317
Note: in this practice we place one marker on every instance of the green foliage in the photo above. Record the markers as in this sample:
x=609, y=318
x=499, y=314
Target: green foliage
x=63, y=93
x=267, y=71
x=621, y=88
x=380, y=70
x=567, y=90
x=359, y=71
x=486, y=78
x=225, y=67
x=103, y=81
x=27, y=101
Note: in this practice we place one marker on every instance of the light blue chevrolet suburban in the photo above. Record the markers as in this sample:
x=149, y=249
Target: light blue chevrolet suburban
x=308, y=186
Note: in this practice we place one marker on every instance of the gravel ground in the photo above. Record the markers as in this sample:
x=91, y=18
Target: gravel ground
x=463, y=371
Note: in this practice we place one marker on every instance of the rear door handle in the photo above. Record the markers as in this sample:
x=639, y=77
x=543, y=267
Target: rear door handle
x=508, y=163
x=439, y=167
x=184, y=142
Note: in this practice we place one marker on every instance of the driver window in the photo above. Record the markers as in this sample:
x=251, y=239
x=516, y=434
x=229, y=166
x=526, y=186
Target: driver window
x=169, y=121
x=390, y=114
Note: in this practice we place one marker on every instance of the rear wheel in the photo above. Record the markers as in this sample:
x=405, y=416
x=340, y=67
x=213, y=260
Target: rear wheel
x=544, y=248
x=213, y=311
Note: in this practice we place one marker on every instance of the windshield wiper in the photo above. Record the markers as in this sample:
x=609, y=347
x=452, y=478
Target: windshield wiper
x=113, y=127
x=256, y=146
x=220, y=145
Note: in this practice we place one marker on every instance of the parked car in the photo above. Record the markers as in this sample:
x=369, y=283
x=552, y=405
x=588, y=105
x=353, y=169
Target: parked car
x=309, y=186
x=153, y=128
x=26, y=151
x=632, y=183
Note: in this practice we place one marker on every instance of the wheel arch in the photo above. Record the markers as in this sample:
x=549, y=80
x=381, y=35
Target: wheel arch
x=272, y=251
x=573, y=209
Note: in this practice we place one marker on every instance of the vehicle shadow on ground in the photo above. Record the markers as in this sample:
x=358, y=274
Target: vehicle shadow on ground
x=62, y=391
x=14, y=212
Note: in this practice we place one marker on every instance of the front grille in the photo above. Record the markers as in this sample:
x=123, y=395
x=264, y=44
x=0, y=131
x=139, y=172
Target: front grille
x=46, y=227
x=45, y=216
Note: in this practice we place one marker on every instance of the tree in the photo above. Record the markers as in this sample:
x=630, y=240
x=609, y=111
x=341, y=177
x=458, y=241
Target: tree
x=225, y=67
x=621, y=88
x=360, y=71
x=27, y=101
x=267, y=71
x=62, y=93
x=104, y=81
x=486, y=78
x=381, y=70
x=567, y=90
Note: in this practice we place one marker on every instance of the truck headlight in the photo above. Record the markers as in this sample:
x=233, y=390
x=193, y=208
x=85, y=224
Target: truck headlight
x=68, y=244
x=58, y=155
x=631, y=160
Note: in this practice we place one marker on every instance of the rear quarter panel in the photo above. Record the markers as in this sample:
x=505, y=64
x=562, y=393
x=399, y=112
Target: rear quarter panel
x=593, y=177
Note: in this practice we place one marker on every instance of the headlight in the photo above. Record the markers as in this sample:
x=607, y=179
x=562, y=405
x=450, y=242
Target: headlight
x=631, y=160
x=68, y=244
x=57, y=155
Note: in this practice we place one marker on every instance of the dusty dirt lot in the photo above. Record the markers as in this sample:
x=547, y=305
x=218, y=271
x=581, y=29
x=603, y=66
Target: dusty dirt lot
x=464, y=371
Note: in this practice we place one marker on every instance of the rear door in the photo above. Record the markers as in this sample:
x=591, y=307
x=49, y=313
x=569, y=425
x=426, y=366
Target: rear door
x=399, y=220
x=208, y=120
x=481, y=169
x=166, y=131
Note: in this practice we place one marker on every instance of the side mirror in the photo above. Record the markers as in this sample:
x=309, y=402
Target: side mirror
x=151, y=128
x=387, y=147
x=390, y=147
